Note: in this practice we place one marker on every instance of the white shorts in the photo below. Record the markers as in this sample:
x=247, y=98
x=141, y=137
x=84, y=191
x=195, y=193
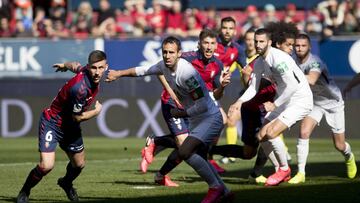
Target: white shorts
x=335, y=117
x=290, y=113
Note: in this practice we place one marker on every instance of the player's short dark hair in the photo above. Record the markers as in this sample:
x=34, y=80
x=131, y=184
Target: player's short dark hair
x=281, y=31
x=207, y=33
x=228, y=19
x=96, y=56
x=263, y=31
x=303, y=35
x=250, y=30
x=172, y=40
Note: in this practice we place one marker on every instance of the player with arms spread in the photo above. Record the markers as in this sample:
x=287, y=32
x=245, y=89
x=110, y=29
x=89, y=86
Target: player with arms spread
x=60, y=123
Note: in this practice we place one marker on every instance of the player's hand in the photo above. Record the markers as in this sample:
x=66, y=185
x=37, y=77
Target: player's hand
x=234, y=108
x=269, y=106
x=225, y=78
x=111, y=75
x=98, y=106
x=60, y=67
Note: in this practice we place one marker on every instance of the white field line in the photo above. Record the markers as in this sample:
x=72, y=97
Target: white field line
x=124, y=160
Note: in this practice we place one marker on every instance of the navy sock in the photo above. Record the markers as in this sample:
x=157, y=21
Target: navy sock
x=71, y=174
x=34, y=177
x=228, y=151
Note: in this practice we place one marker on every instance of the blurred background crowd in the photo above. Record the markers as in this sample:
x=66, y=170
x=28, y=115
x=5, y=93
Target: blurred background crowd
x=137, y=18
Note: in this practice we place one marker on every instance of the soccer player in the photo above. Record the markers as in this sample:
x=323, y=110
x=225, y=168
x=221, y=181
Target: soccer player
x=232, y=55
x=292, y=103
x=205, y=119
x=328, y=102
x=252, y=113
x=60, y=123
x=211, y=71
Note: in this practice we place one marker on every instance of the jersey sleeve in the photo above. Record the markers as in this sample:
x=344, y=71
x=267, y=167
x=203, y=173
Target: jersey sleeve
x=149, y=70
x=78, y=95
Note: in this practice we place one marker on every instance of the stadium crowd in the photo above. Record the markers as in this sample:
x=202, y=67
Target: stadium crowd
x=26, y=18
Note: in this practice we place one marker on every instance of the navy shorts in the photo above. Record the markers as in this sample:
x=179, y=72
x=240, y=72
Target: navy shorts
x=70, y=140
x=177, y=126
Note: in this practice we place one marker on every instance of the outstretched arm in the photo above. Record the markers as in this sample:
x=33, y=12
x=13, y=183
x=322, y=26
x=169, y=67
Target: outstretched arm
x=72, y=66
x=354, y=82
x=167, y=87
x=86, y=115
x=116, y=74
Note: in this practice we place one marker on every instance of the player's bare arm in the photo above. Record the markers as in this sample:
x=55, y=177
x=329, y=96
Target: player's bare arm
x=88, y=114
x=312, y=77
x=116, y=74
x=167, y=87
x=246, y=73
x=73, y=66
x=354, y=81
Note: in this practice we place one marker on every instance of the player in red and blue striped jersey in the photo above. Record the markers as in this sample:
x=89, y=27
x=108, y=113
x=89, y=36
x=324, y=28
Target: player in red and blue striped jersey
x=60, y=124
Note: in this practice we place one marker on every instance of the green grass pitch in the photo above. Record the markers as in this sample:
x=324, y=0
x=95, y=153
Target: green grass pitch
x=111, y=175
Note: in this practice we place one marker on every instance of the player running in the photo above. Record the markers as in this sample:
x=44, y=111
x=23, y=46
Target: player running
x=328, y=102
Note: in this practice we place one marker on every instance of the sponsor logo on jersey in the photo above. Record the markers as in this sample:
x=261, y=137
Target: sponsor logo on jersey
x=77, y=108
x=282, y=67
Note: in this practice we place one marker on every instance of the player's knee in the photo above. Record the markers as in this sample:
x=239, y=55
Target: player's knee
x=80, y=164
x=305, y=133
x=340, y=146
x=184, y=154
x=270, y=133
x=249, y=154
x=45, y=168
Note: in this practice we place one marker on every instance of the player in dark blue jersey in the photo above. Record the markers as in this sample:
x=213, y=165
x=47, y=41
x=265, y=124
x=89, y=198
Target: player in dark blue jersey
x=60, y=123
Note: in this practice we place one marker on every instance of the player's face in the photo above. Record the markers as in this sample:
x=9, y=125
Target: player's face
x=228, y=31
x=170, y=54
x=262, y=43
x=287, y=46
x=97, y=70
x=302, y=48
x=208, y=46
x=249, y=41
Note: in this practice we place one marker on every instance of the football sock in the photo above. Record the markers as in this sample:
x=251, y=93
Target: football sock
x=71, y=173
x=34, y=177
x=203, y=169
x=259, y=163
x=228, y=151
x=268, y=150
x=302, y=154
x=218, y=177
x=171, y=162
x=280, y=152
x=347, y=151
x=164, y=142
x=231, y=135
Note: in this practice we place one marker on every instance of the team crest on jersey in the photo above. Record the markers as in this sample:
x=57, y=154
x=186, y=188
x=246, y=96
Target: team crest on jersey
x=192, y=83
x=282, y=67
x=47, y=144
x=315, y=65
x=77, y=108
x=212, y=74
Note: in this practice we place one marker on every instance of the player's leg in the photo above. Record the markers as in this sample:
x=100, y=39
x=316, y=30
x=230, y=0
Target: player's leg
x=336, y=120
x=231, y=128
x=74, y=148
x=211, y=160
x=307, y=126
x=47, y=145
x=271, y=142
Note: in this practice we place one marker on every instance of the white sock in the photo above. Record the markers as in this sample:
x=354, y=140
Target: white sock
x=280, y=152
x=347, y=152
x=268, y=150
x=302, y=154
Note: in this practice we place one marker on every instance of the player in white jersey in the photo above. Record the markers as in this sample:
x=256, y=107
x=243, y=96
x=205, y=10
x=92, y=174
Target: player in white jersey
x=292, y=103
x=205, y=119
x=328, y=102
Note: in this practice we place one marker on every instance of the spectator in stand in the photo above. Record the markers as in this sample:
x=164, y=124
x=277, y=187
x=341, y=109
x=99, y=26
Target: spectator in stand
x=291, y=14
x=333, y=14
x=350, y=24
x=5, y=9
x=313, y=25
x=175, y=19
x=157, y=16
x=82, y=21
x=270, y=14
x=193, y=28
x=24, y=13
x=57, y=10
x=138, y=15
x=253, y=19
x=5, y=29
x=40, y=23
x=106, y=24
x=57, y=30
x=20, y=30
x=212, y=20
